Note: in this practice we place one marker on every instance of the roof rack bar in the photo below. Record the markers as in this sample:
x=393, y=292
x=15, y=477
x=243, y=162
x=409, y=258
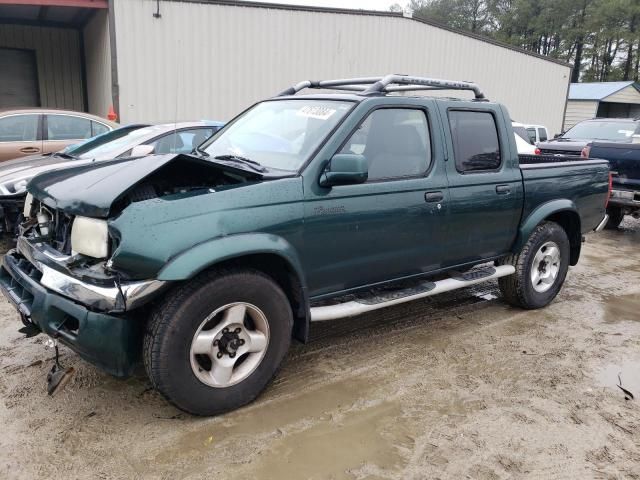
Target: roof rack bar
x=382, y=84
x=386, y=84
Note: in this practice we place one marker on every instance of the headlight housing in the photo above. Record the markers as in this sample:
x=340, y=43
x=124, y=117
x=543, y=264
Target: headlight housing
x=90, y=236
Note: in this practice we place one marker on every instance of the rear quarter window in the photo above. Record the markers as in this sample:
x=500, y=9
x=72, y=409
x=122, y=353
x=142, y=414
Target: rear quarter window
x=476, y=146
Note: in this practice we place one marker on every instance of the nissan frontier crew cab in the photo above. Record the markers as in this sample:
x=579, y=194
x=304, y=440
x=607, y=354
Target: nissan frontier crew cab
x=303, y=208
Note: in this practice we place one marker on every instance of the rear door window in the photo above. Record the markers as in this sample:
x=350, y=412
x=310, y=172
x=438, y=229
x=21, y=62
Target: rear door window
x=19, y=128
x=67, y=127
x=475, y=140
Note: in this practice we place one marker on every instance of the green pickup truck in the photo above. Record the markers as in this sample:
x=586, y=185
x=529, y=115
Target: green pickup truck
x=304, y=208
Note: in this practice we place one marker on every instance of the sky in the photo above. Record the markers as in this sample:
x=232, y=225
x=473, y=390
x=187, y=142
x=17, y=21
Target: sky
x=363, y=4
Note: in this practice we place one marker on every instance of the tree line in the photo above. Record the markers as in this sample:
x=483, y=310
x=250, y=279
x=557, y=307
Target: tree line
x=601, y=38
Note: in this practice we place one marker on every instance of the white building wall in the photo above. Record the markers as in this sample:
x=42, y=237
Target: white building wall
x=579, y=110
x=98, y=63
x=211, y=61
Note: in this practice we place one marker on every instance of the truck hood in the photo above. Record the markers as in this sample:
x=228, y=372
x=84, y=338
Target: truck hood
x=563, y=145
x=98, y=190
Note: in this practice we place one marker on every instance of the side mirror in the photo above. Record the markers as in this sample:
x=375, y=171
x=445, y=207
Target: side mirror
x=345, y=169
x=557, y=135
x=142, y=150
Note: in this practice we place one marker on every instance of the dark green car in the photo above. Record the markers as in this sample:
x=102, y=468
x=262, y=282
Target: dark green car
x=303, y=208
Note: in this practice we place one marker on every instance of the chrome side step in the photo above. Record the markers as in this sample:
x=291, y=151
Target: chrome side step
x=357, y=307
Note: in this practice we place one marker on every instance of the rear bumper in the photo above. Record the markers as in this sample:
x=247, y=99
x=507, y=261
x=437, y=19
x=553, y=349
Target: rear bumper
x=111, y=342
x=625, y=198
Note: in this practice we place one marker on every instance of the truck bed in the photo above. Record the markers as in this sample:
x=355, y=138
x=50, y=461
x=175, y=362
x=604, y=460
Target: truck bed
x=584, y=182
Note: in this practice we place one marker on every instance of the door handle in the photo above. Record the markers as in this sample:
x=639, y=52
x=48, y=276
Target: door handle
x=503, y=189
x=29, y=150
x=433, y=197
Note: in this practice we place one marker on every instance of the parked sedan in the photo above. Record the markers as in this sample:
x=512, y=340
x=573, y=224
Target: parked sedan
x=132, y=140
x=37, y=130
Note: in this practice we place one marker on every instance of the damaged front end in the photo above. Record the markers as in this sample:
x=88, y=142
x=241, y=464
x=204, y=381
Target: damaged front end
x=73, y=298
x=70, y=276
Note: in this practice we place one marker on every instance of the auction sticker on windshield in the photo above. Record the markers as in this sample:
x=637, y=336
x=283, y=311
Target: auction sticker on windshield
x=314, y=111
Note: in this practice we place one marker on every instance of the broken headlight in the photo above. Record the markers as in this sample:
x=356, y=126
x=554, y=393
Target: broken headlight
x=90, y=236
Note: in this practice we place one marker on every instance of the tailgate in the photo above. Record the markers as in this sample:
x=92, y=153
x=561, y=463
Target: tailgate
x=624, y=160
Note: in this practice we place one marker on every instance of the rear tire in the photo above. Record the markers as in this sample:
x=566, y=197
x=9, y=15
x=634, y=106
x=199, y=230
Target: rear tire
x=616, y=215
x=216, y=342
x=541, y=268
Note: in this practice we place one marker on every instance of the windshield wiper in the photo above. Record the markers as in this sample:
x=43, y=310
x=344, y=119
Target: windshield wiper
x=246, y=161
x=64, y=155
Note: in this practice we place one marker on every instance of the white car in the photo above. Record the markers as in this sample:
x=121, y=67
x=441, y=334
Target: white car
x=536, y=133
x=522, y=140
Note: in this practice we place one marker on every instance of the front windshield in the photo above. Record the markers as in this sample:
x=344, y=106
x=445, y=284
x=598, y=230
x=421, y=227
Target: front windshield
x=279, y=134
x=602, y=130
x=117, y=146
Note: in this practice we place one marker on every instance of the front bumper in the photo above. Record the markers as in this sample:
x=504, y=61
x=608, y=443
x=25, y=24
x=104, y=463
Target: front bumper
x=109, y=297
x=77, y=313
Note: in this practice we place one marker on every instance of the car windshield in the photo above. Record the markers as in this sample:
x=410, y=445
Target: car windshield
x=119, y=145
x=79, y=149
x=602, y=130
x=279, y=134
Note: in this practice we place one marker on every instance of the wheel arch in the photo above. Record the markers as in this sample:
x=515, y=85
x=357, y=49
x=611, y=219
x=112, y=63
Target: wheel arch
x=270, y=254
x=563, y=212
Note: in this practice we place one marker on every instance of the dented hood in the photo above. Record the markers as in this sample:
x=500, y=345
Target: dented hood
x=91, y=190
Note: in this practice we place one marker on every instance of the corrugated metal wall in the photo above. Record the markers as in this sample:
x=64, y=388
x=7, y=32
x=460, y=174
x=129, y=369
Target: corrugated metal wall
x=626, y=95
x=579, y=110
x=58, y=59
x=211, y=61
x=98, y=63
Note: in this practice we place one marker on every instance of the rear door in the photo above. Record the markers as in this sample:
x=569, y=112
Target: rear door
x=61, y=130
x=20, y=135
x=485, y=183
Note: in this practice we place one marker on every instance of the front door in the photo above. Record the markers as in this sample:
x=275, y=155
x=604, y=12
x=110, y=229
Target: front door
x=392, y=225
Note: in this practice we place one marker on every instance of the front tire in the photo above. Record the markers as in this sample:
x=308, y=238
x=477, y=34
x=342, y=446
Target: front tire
x=215, y=343
x=541, y=268
x=616, y=215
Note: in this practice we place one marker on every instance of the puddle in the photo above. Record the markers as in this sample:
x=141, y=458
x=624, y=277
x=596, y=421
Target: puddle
x=266, y=418
x=622, y=308
x=374, y=435
x=629, y=372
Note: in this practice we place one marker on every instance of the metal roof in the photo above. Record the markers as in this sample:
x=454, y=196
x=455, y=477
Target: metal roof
x=597, y=90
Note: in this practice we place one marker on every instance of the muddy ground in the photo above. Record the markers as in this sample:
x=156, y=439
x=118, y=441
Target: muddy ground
x=459, y=386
